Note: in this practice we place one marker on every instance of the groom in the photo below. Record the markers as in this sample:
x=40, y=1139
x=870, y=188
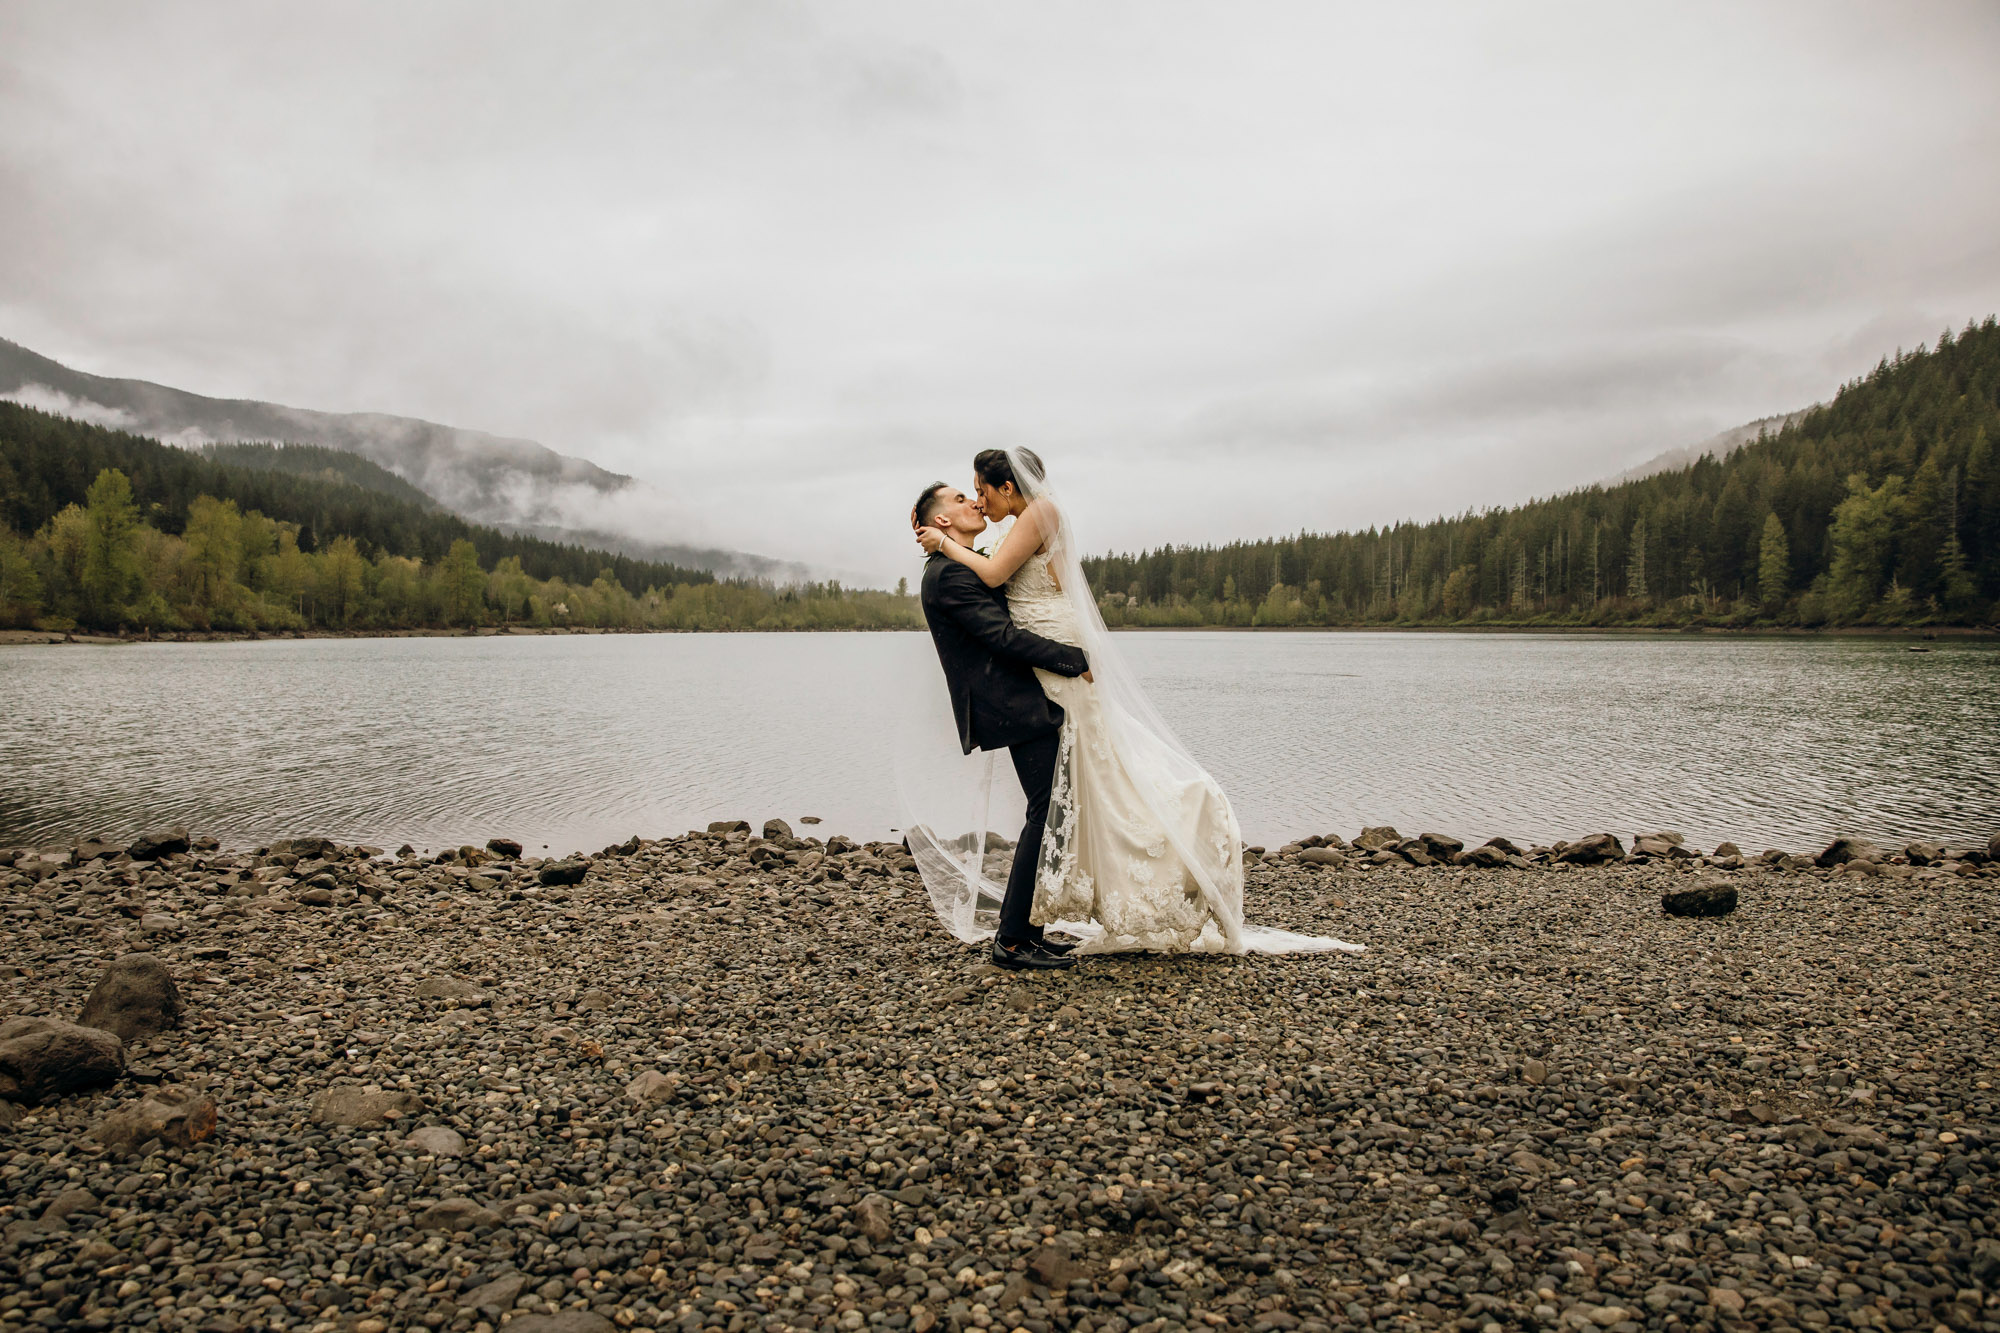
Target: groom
x=988, y=665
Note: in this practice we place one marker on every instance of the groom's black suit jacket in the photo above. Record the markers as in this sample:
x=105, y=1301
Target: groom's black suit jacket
x=988, y=661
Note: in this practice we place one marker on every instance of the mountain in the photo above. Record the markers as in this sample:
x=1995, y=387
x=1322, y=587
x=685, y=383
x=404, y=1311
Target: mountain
x=514, y=485
x=1721, y=445
x=320, y=464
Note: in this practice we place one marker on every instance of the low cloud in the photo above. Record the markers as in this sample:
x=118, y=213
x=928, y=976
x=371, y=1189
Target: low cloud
x=1234, y=272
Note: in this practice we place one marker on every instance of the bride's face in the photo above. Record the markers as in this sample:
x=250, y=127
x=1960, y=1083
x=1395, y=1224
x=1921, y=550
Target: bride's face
x=998, y=501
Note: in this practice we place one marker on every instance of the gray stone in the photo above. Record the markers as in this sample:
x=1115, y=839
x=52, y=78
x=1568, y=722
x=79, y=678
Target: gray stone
x=456, y=1215
x=461, y=994
x=350, y=1105
x=504, y=847
x=136, y=997
x=496, y=1297
x=437, y=1141
x=1322, y=856
x=43, y=1058
x=566, y=872
x=777, y=828
x=1376, y=838
x=652, y=1086
x=563, y=1321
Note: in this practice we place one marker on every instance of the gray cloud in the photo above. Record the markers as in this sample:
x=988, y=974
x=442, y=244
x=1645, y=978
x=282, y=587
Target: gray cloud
x=1234, y=271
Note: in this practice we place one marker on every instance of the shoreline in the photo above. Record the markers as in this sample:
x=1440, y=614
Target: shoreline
x=31, y=637
x=723, y=1080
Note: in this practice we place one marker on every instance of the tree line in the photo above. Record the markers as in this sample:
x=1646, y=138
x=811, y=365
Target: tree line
x=101, y=530
x=1881, y=507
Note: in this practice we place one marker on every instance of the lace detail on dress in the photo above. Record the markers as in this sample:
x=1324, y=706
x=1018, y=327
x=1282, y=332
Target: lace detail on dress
x=1105, y=857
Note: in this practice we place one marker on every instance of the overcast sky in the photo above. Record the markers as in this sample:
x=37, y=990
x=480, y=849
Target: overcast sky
x=1235, y=269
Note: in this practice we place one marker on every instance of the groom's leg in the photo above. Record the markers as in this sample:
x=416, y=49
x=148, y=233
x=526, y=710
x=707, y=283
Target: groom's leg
x=1035, y=765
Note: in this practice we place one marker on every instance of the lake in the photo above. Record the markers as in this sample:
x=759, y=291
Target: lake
x=577, y=741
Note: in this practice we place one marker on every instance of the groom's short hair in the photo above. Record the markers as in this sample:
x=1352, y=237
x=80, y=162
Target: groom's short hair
x=927, y=504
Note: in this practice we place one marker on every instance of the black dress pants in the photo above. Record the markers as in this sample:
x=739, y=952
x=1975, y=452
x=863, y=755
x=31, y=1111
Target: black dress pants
x=1035, y=765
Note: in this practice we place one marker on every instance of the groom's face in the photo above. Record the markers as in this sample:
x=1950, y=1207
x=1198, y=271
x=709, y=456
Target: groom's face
x=960, y=515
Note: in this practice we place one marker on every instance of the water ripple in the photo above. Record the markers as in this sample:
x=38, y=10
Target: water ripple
x=574, y=742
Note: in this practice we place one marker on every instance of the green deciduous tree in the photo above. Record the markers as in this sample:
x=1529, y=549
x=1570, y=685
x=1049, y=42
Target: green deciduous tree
x=460, y=584
x=111, y=548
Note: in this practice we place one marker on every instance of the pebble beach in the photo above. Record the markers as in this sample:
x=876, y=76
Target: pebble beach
x=743, y=1080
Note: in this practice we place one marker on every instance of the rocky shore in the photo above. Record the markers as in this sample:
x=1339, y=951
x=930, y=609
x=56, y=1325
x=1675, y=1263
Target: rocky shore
x=745, y=1082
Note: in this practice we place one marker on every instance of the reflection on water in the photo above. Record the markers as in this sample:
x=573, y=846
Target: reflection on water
x=575, y=742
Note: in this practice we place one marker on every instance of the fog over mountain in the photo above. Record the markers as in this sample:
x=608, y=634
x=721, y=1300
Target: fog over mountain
x=517, y=485
x=1234, y=270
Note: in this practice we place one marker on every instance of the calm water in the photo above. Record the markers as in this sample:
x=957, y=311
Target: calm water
x=575, y=742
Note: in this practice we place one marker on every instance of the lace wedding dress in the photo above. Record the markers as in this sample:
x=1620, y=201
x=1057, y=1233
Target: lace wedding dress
x=1141, y=849
x=1105, y=857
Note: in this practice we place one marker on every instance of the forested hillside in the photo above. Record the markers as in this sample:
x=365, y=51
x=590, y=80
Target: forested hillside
x=105, y=530
x=1880, y=507
x=316, y=460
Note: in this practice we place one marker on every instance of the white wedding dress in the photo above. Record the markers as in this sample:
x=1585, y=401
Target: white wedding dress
x=1141, y=849
x=1105, y=858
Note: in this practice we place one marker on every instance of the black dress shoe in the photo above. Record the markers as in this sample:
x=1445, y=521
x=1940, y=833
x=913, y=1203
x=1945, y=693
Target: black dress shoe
x=1027, y=957
x=1057, y=947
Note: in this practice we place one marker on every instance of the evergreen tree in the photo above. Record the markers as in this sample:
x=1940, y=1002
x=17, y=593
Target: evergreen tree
x=1635, y=562
x=1774, y=562
x=1862, y=534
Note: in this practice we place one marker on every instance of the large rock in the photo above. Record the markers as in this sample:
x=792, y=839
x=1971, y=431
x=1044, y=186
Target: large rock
x=135, y=997
x=563, y=1321
x=161, y=842
x=462, y=994
x=303, y=847
x=1715, y=899
x=456, y=1215
x=504, y=847
x=1441, y=846
x=570, y=871
x=652, y=1086
x=1322, y=856
x=1842, y=850
x=177, y=1116
x=777, y=828
x=350, y=1105
x=1925, y=853
x=1487, y=856
x=494, y=1298
x=437, y=1140
x=874, y=1217
x=1593, y=850
x=93, y=849
x=1993, y=847
x=1376, y=838
x=42, y=1058
x=729, y=826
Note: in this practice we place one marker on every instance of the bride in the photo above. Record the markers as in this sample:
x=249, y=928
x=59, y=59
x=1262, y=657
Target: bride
x=1140, y=839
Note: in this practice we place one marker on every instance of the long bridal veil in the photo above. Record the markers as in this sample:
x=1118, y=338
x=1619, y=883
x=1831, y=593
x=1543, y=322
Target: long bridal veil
x=960, y=811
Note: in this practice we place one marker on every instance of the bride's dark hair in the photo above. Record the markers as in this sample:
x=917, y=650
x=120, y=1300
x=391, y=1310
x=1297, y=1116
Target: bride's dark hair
x=996, y=469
